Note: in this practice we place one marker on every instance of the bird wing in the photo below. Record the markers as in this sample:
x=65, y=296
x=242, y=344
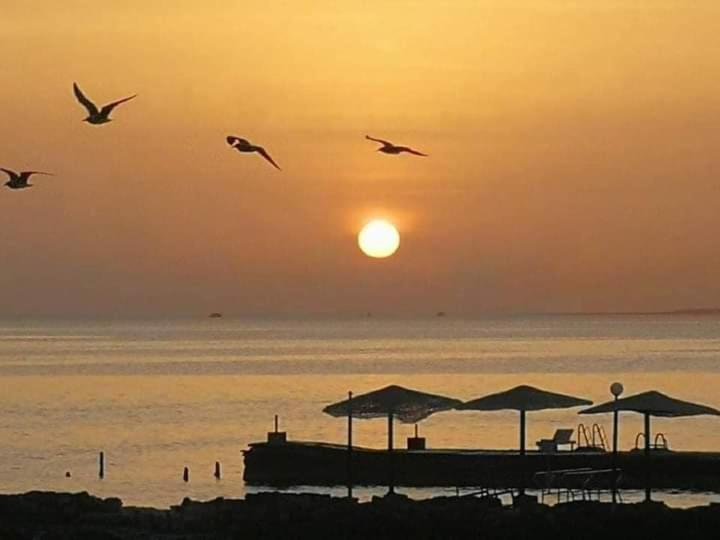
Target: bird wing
x=12, y=174
x=27, y=174
x=264, y=154
x=384, y=143
x=89, y=105
x=107, y=109
x=231, y=140
x=411, y=151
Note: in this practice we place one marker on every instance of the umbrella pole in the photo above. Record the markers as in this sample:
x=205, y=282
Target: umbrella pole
x=522, y=451
x=615, y=454
x=349, y=448
x=391, y=483
x=647, y=456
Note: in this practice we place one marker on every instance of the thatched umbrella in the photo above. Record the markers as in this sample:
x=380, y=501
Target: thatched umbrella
x=523, y=398
x=649, y=404
x=408, y=406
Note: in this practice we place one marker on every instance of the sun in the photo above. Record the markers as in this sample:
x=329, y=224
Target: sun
x=379, y=239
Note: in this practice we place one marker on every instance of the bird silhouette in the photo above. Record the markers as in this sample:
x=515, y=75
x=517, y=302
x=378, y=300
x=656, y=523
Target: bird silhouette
x=389, y=148
x=243, y=145
x=20, y=180
x=97, y=116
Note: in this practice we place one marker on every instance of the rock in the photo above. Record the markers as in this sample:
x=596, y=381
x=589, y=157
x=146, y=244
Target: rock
x=49, y=516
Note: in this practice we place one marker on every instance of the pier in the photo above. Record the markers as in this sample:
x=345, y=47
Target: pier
x=325, y=464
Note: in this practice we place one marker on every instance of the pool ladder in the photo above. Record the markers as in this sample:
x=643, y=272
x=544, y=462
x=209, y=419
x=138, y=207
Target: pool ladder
x=660, y=442
x=596, y=438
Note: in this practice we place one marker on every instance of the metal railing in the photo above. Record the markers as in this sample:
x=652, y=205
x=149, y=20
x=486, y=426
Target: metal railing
x=660, y=442
x=594, y=437
x=577, y=484
x=602, y=441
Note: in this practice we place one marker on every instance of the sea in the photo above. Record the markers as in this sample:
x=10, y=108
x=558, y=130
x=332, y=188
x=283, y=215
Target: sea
x=157, y=396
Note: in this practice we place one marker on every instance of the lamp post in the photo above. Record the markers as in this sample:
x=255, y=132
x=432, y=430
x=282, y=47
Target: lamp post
x=616, y=389
x=349, y=447
x=391, y=452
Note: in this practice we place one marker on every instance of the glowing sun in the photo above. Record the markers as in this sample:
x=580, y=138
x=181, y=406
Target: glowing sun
x=379, y=239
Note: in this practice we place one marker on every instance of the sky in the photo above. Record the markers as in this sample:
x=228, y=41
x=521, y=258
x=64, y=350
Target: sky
x=573, y=156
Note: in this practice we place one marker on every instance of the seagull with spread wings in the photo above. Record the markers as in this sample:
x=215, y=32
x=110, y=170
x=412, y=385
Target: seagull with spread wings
x=97, y=116
x=20, y=180
x=243, y=145
x=390, y=148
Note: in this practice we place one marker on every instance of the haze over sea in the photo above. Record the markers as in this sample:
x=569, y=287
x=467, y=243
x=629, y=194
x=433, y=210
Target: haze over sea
x=160, y=395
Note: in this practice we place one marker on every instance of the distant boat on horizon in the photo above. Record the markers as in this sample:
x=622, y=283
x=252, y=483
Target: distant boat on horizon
x=215, y=315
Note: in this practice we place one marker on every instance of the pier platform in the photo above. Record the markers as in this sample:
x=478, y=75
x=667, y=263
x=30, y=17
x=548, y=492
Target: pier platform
x=326, y=464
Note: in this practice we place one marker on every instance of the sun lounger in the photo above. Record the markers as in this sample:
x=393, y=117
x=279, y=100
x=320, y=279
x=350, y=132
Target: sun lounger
x=562, y=437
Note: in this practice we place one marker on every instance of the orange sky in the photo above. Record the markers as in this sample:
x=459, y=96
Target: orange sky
x=574, y=156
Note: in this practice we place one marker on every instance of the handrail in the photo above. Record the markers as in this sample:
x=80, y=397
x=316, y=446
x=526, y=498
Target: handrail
x=659, y=443
x=594, y=437
x=597, y=428
x=582, y=433
x=639, y=436
x=559, y=472
x=663, y=441
x=583, y=481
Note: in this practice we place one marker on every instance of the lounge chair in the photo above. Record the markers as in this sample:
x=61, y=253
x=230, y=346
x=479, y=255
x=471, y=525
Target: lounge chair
x=562, y=437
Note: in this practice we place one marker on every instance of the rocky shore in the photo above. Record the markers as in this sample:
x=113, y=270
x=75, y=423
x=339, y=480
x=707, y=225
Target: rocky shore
x=51, y=516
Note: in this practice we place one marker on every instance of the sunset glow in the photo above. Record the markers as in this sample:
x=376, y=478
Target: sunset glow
x=202, y=205
x=379, y=239
x=548, y=141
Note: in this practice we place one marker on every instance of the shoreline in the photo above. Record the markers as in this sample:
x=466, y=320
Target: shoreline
x=51, y=515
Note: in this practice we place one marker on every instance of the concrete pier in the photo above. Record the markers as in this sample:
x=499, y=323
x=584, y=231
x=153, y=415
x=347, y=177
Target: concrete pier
x=323, y=464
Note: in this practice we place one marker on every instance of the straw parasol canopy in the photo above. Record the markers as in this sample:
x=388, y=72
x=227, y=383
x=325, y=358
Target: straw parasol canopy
x=408, y=406
x=654, y=404
x=523, y=398
x=649, y=404
x=393, y=401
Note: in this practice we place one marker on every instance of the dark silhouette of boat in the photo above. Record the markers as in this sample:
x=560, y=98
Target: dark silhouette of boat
x=215, y=315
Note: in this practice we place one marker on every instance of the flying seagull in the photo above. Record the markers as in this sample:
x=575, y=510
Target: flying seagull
x=243, y=145
x=20, y=180
x=97, y=116
x=389, y=148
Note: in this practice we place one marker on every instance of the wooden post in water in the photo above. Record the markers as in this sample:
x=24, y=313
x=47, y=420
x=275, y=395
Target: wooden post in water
x=186, y=474
x=218, y=473
x=101, y=466
x=349, y=448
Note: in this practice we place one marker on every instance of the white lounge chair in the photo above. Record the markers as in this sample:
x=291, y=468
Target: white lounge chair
x=562, y=437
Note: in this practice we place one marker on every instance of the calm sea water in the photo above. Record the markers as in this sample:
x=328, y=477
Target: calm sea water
x=160, y=395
